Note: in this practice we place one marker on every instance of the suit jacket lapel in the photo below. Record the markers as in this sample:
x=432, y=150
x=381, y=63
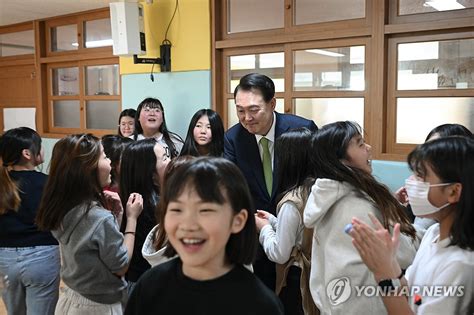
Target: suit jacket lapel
x=281, y=126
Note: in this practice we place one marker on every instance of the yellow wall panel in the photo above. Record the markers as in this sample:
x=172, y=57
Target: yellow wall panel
x=189, y=33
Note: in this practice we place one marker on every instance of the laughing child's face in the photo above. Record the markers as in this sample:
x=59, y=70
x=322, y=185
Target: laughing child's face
x=199, y=232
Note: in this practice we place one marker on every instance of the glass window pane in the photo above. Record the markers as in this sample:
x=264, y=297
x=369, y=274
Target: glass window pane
x=269, y=64
x=338, y=69
x=436, y=65
x=272, y=60
x=18, y=43
x=66, y=81
x=242, y=62
x=64, y=38
x=251, y=15
x=97, y=33
x=102, y=80
x=427, y=6
x=327, y=110
x=102, y=114
x=232, y=118
x=66, y=114
x=442, y=110
x=317, y=11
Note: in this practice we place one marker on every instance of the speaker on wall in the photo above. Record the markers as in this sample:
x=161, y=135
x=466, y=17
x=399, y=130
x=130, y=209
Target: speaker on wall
x=128, y=32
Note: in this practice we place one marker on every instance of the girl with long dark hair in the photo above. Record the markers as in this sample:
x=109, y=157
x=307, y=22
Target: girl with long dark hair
x=344, y=188
x=95, y=255
x=205, y=134
x=150, y=122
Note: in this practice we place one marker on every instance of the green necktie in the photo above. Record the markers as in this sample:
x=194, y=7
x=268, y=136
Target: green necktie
x=267, y=165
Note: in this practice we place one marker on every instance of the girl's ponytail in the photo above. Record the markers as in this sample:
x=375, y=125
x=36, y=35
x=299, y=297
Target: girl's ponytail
x=9, y=194
x=12, y=144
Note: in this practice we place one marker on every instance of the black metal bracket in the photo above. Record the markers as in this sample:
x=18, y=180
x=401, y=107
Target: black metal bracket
x=164, y=61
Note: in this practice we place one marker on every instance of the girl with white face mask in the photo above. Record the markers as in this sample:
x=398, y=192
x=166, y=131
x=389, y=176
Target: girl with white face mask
x=440, y=280
x=446, y=130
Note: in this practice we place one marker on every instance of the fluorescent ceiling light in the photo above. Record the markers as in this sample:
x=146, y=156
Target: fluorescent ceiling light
x=444, y=5
x=96, y=43
x=324, y=52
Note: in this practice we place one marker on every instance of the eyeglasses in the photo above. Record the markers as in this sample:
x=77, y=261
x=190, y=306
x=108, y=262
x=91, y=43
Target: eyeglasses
x=149, y=110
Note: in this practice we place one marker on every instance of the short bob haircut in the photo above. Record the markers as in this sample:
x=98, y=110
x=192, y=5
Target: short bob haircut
x=167, y=135
x=72, y=179
x=447, y=130
x=451, y=159
x=216, y=180
x=216, y=146
x=129, y=112
x=257, y=82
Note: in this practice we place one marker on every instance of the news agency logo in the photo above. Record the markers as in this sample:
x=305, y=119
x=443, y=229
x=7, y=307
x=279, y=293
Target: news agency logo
x=339, y=290
x=431, y=291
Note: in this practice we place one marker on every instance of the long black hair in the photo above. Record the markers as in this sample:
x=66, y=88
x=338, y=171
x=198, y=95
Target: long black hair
x=293, y=159
x=113, y=148
x=155, y=103
x=329, y=148
x=138, y=173
x=216, y=146
x=452, y=160
x=12, y=144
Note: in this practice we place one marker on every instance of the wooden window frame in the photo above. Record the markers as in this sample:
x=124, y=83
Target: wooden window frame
x=81, y=97
x=434, y=17
x=47, y=59
x=380, y=27
x=289, y=32
x=79, y=21
x=393, y=93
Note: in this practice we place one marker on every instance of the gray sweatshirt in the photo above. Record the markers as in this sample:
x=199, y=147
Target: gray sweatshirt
x=92, y=251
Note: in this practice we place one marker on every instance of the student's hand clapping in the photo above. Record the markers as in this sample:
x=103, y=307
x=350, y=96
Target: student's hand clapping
x=134, y=205
x=377, y=247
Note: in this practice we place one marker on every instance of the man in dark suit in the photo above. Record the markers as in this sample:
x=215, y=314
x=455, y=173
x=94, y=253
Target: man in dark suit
x=250, y=145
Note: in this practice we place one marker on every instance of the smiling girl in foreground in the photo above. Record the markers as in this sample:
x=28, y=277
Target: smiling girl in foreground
x=444, y=191
x=208, y=217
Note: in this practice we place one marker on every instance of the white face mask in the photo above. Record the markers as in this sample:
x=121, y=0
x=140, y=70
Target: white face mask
x=418, y=197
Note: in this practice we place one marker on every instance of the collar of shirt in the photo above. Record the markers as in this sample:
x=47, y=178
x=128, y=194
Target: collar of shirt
x=271, y=137
x=270, y=134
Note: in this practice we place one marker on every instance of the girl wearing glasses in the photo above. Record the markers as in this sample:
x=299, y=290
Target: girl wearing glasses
x=150, y=123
